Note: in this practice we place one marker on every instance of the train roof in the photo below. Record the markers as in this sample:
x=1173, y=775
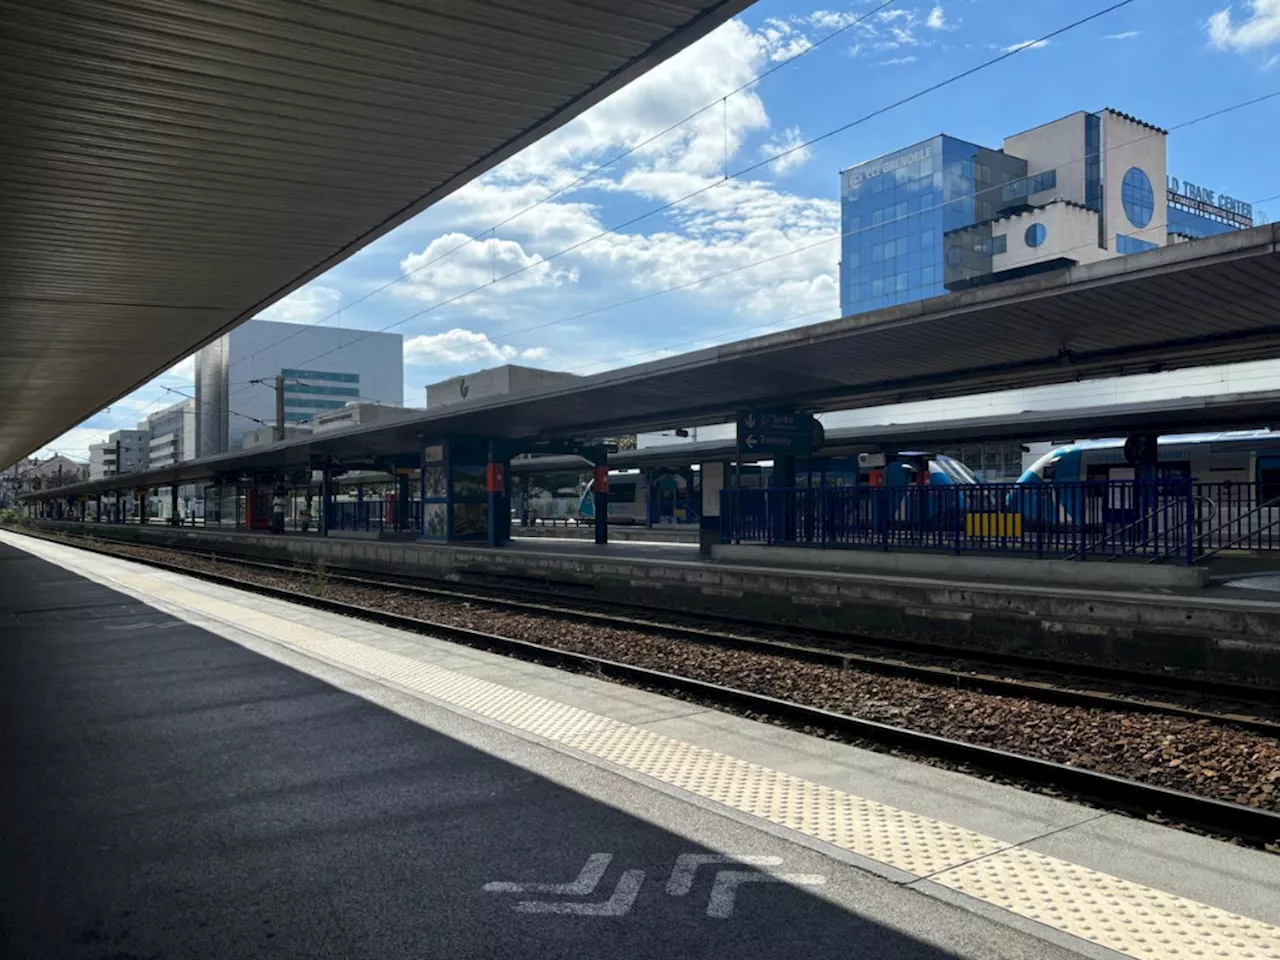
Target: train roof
x=1179, y=439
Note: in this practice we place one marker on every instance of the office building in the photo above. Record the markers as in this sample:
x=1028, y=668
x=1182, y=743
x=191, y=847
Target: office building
x=945, y=215
x=172, y=434
x=322, y=370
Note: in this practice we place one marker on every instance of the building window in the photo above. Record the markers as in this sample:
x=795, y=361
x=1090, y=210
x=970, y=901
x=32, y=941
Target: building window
x=1137, y=196
x=1093, y=165
x=1000, y=244
x=321, y=375
x=322, y=391
x=1035, y=235
x=1048, y=180
x=1127, y=245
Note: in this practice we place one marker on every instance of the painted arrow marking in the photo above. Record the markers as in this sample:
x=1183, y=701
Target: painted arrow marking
x=687, y=864
x=591, y=874
x=619, y=905
x=724, y=891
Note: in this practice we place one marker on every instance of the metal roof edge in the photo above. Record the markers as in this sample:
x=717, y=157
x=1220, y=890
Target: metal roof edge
x=712, y=16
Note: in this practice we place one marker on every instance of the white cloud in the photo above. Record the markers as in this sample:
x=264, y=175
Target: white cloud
x=702, y=74
x=791, y=140
x=937, y=19
x=1260, y=28
x=182, y=370
x=437, y=273
x=1127, y=35
x=898, y=61
x=460, y=346
x=306, y=305
x=732, y=224
x=1026, y=45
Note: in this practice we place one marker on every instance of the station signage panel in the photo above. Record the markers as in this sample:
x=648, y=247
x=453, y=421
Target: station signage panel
x=778, y=432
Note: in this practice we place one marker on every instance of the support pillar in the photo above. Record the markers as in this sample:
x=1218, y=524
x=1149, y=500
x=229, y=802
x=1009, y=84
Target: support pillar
x=97, y=515
x=174, y=518
x=711, y=481
x=784, y=503
x=1142, y=451
x=600, y=495
x=326, y=500
x=402, y=502
x=495, y=485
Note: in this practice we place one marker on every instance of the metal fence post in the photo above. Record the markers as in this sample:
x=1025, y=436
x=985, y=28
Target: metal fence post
x=882, y=515
x=959, y=514
x=1039, y=502
x=1190, y=503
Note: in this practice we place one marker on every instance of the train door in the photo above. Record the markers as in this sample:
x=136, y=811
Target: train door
x=1268, y=479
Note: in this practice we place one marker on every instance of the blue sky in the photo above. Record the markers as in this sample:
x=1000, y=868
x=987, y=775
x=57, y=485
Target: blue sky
x=1165, y=61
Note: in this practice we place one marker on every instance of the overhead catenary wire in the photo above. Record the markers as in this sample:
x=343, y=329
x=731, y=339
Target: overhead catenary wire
x=594, y=171
x=830, y=239
x=1005, y=55
x=874, y=227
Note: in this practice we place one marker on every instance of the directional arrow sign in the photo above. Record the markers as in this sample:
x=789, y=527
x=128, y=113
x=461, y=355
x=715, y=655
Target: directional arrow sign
x=777, y=432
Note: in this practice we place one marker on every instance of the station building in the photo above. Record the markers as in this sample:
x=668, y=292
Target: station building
x=944, y=214
x=324, y=369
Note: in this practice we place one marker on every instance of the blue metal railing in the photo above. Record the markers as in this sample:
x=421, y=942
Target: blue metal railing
x=1154, y=520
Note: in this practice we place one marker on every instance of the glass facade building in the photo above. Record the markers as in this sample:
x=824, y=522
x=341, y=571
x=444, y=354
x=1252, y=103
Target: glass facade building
x=896, y=213
x=945, y=215
x=1196, y=225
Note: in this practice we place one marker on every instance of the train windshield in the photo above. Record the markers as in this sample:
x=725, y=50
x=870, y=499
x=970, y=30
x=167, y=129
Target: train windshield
x=956, y=470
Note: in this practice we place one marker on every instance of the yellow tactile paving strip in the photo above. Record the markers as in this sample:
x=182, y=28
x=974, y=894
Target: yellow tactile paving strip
x=1126, y=917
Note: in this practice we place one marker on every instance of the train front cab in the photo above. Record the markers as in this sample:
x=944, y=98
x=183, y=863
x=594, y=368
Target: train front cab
x=1085, y=484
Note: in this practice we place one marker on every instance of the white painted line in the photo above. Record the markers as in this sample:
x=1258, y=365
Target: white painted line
x=724, y=891
x=591, y=874
x=687, y=865
x=618, y=905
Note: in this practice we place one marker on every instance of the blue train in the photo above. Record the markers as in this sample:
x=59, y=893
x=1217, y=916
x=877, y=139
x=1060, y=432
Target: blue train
x=1089, y=472
x=1244, y=456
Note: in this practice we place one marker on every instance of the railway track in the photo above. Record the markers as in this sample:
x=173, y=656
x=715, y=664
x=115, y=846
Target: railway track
x=1247, y=707
x=1251, y=823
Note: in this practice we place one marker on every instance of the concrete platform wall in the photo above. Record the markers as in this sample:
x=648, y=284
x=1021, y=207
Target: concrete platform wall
x=1225, y=636
x=1115, y=575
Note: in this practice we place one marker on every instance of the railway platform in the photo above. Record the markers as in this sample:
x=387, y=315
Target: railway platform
x=199, y=771
x=1046, y=608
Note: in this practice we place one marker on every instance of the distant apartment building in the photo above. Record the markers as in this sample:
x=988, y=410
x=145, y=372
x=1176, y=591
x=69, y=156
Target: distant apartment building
x=322, y=370
x=32, y=473
x=131, y=447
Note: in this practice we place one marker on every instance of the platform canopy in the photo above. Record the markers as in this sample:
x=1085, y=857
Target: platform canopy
x=171, y=168
x=1212, y=301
